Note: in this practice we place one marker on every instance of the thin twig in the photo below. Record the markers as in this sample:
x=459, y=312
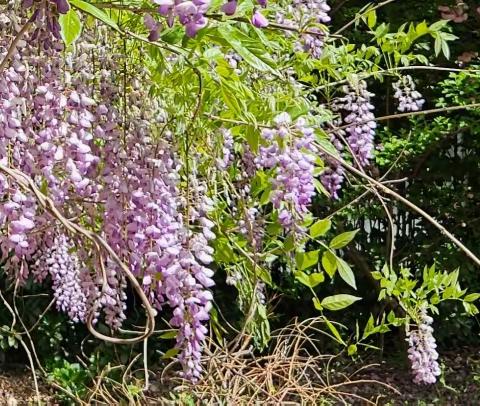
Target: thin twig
x=397, y=69
x=32, y=366
x=145, y=365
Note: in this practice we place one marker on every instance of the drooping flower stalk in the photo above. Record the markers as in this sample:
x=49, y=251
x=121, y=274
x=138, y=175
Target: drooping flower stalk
x=422, y=351
x=409, y=99
x=357, y=115
x=288, y=152
x=304, y=13
x=60, y=261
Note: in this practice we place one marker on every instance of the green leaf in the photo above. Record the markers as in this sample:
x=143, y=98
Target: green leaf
x=316, y=279
x=437, y=26
x=265, y=197
x=171, y=353
x=446, y=49
x=305, y=260
x=334, y=331
x=369, y=327
x=317, y=304
x=471, y=297
x=71, y=27
x=264, y=275
x=320, y=188
x=326, y=145
x=339, y=302
x=247, y=48
x=421, y=29
x=289, y=243
x=223, y=251
x=343, y=239
x=372, y=19
x=438, y=45
x=329, y=263
x=320, y=228
x=12, y=342
x=302, y=277
x=169, y=335
x=311, y=280
x=346, y=273
x=352, y=349
x=95, y=12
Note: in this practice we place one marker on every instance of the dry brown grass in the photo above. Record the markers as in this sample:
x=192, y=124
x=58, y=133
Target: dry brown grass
x=295, y=371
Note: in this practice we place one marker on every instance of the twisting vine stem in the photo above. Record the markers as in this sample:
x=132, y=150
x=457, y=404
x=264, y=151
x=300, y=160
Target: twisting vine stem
x=27, y=184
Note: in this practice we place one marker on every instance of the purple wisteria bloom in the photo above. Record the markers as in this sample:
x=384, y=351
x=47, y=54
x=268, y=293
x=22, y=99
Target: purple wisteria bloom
x=288, y=152
x=422, y=351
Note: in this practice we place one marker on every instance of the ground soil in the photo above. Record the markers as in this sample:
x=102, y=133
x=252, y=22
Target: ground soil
x=459, y=384
x=17, y=387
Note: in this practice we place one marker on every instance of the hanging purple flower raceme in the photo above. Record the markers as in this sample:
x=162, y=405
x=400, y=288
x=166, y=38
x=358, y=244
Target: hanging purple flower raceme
x=46, y=134
x=302, y=13
x=244, y=208
x=144, y=219
x=407, y=97
x=316, y=10
x=312, y=43
x=188, y=282
x=227, y=149
x=332, y=178
x=251, y=225
x=65, y=269
x=289, y=153
x=357, y=115
x=422, y=351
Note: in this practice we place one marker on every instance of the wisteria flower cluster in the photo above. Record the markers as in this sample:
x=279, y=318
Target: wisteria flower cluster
x=65, y=269
x=192, y=15
x=227, y=149
x=409, y=99
x=359, y=120
x=288, y=152
x=332, y=177
x=302, y=13
x=355, y=126
x=422, y=351
x=57, y=127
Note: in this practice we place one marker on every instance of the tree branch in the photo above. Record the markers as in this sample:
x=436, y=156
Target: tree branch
x=405, y=201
